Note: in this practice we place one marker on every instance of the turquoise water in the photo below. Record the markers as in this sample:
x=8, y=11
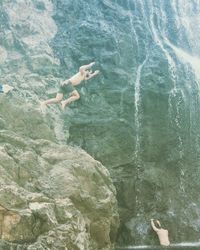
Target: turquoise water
x=185, y=245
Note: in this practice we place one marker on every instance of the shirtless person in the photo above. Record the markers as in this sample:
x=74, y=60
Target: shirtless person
x=162, y=233
x=67, y=87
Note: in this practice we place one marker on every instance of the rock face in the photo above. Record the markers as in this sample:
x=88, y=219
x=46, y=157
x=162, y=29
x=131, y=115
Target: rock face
x=51, y=196
x=140, y=117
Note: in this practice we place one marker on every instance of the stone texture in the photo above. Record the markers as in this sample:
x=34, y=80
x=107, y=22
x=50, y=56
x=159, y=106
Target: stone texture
x=139, y=117
x=52, y=196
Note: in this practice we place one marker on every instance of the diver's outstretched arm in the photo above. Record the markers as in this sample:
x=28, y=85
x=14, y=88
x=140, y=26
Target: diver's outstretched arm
x=153, y=226
x=85, y=67
x=92, y=74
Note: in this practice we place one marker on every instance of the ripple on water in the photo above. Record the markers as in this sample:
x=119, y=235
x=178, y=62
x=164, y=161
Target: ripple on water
x=183, y=245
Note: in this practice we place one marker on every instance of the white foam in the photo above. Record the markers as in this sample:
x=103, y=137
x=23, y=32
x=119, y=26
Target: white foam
x=186, y=244
x=194, y=61
x=182, y=244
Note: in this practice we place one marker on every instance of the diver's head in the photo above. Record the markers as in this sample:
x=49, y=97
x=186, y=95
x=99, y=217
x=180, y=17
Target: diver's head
x=88, y=73
x=157, y=224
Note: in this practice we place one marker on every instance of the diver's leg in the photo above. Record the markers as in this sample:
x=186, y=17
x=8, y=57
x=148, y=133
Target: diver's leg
x=73, y=97
x=85, y=67
x=58, y=98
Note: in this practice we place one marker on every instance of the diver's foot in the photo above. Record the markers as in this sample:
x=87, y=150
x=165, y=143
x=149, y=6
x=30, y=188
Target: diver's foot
x=92, y=63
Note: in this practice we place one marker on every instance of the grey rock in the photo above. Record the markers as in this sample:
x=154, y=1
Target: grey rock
x=53, y=196
x=139, y=117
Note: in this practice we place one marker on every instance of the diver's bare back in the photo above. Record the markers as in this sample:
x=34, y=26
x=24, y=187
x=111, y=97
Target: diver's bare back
x=77, y=78
x=163, y=237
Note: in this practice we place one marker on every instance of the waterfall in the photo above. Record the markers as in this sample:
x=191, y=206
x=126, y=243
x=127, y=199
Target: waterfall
x=147, y=105
x=176, y=94
x=185, y=19
x=158, y=40
x=137, y=105
x=180, y=55
x=137, y=129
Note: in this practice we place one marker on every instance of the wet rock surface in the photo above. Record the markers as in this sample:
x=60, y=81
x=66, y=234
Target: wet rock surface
x=52, y=196
x=140, y=117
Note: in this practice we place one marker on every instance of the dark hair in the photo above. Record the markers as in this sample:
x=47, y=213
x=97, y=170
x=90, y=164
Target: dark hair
x=157, y=224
